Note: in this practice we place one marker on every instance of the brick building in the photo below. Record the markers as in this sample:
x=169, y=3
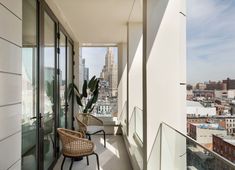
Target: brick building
x=230, y=83
x=225, y=146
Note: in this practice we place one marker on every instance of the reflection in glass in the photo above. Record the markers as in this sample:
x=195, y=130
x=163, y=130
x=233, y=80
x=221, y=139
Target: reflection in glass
x=29, y=86
x=48, y=90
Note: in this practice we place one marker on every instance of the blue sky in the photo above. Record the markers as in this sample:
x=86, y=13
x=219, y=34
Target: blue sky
x=210, y=40
x=95, y=59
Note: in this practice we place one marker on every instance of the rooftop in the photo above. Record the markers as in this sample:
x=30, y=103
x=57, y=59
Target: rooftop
x=212, y=126
x=193, y=104
x=227, y=138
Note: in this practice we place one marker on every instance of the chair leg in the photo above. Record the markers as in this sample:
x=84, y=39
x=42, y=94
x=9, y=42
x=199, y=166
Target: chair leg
x=97, y=159
x=104, y=138
x=63, y=163
x=89, y=136
x=70, y=168
x=87, y=160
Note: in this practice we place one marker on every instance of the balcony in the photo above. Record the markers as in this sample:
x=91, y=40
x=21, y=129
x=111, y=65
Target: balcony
x=38, y=62
x=171, y=150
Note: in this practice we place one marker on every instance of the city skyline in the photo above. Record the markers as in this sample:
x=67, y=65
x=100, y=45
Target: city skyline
x=210, y=40
x=208, y=81
x=95, y=66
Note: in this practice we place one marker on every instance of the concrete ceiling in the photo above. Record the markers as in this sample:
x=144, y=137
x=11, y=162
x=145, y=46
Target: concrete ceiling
x=99, y=21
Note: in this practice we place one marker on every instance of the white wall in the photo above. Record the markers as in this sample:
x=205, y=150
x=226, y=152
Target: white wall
x=10, y=83
x=122, y=82
x=166, y=65
x=135, y=46
x=135, y=89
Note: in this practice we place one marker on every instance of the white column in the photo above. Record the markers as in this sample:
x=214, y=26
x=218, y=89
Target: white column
x=122, y=80
x=165, y=77
x=76, y=72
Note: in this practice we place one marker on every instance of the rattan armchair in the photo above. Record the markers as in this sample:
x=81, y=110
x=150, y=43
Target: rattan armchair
x=75, y=146
x=90, y=125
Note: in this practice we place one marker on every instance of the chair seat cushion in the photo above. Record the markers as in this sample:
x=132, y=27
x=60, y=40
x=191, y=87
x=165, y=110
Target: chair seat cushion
x=92, y=129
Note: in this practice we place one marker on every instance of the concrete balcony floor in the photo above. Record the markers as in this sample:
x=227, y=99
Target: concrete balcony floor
x=113, y=157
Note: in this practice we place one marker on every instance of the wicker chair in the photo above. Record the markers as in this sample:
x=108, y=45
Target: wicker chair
x=74, y=146
x=90, y=125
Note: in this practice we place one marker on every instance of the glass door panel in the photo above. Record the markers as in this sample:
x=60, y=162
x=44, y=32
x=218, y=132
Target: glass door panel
x=48, y=85
x=29, y=122
x=29, y=87
x=62, y=80
x=69, y=80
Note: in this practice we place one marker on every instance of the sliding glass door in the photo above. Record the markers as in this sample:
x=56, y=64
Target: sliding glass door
x=48, y=89
x=47, y=69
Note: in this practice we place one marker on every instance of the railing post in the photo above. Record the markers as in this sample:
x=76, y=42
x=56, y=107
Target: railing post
x=135, y=120
x=160, y=147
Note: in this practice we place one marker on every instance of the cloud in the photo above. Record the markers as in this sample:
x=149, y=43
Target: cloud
x=210, y=40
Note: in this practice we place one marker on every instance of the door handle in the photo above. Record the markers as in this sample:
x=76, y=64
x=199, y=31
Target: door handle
x=35, y=117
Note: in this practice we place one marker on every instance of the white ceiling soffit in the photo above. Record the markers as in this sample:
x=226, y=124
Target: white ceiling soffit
x=136, y=14
x=99, y=21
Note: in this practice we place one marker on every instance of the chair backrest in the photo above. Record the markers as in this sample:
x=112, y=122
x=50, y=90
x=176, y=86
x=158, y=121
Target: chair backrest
x=64, y=137
x=68, y=136
x=81, y=125
x=88, y=119
x=73, y=144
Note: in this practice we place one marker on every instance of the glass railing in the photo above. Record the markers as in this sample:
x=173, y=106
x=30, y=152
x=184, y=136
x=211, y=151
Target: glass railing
x=172, y=150
x=138, y=116
x=136, y=125
x=122, y=118
x=135, y=137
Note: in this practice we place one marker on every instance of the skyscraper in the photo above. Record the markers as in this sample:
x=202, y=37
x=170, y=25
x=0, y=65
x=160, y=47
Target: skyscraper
x=85, y=70
x=109, y=72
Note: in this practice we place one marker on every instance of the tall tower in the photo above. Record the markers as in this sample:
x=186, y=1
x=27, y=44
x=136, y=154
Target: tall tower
x=109, y=72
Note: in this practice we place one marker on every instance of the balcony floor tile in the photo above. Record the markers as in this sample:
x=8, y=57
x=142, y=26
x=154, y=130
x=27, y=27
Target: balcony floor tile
x=113, y=157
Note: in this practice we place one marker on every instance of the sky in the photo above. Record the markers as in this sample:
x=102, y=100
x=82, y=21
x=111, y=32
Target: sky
x=95, y=59
x=210, y=40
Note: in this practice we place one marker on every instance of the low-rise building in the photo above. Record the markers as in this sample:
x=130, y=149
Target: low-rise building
x=225, y=146
x=198, y=120
x=204, y=93
x=225, y=94
x=196, y=109
x=227, y=122
x=202, y=133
